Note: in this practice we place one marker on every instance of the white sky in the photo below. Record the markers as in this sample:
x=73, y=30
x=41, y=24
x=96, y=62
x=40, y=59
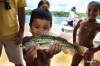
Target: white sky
x=62, y=5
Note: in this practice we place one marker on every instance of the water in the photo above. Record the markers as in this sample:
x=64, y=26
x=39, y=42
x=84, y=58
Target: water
x=58, y=20
x=55, y=20
x=27, y=18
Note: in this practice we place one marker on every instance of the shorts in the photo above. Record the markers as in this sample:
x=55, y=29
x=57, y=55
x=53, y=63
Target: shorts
x=70, y=23
x=85, y=50
x=13, y=51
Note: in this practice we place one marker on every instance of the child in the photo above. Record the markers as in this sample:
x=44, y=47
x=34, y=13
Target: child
x=44, y=4
x=87, y=31
x=41, y=20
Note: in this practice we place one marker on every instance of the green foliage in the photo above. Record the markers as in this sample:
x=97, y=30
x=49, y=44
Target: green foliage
x=28, y=12
x=61, y=13
x=81, y=14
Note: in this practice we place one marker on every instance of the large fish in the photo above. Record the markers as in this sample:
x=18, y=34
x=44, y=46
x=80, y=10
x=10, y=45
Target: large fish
x=44, y=40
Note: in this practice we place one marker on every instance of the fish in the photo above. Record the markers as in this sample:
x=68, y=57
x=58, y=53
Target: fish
x=44, y=40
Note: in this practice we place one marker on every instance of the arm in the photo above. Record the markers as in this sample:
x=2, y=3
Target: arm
x=98, y=48
x=21, y=18
x=30, y=53
x=76, y=16
x=93, y=50
x=75, y=30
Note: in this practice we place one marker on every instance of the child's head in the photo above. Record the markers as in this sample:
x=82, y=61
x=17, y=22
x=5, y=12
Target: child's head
x=93, y=9
x=40, y=21
x=44, y=4
x=73, y=9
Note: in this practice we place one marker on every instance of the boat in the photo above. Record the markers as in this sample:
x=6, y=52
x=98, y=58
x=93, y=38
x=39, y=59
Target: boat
x=66, y=28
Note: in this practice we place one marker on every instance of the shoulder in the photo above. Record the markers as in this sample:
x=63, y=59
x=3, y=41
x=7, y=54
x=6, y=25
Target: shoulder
x=82, y=20
x=21, y=3
x=26, y=38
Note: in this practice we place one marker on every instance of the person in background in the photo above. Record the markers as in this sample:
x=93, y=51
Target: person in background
x=44, y=4
x=72, y=16
x=12, y=30
x=88, y=28
x=40, y=21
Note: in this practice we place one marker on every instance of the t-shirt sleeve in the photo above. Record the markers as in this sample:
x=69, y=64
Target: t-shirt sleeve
x=21, y=3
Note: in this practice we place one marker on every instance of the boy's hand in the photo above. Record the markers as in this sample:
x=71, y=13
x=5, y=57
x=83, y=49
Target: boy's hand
x=91, y=50
x=54, y=48
x=31, y=52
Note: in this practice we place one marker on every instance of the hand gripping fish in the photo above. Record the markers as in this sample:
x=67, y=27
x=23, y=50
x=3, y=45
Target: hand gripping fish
x=44, y=40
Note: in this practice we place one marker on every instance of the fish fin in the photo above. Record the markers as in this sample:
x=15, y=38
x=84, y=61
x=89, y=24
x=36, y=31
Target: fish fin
x=83, y=49
x=65, y=36
x=47, y=33
x=26, y=39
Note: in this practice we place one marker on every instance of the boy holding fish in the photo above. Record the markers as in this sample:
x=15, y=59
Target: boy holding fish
x=40, y=21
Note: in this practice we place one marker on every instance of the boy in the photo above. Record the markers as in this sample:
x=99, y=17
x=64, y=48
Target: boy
x=87, y=31
x=41, y=20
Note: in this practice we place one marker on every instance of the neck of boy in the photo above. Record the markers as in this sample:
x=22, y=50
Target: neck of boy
x=92, y=20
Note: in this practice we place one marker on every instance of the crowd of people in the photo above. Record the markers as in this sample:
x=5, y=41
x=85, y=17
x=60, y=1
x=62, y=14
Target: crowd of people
x=12, y=33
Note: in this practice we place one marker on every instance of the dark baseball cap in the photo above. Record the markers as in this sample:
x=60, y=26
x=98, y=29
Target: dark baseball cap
x=74, y=8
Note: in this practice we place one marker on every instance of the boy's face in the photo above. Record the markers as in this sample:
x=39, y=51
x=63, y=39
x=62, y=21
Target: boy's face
x=39, y=26
x=93, y=11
